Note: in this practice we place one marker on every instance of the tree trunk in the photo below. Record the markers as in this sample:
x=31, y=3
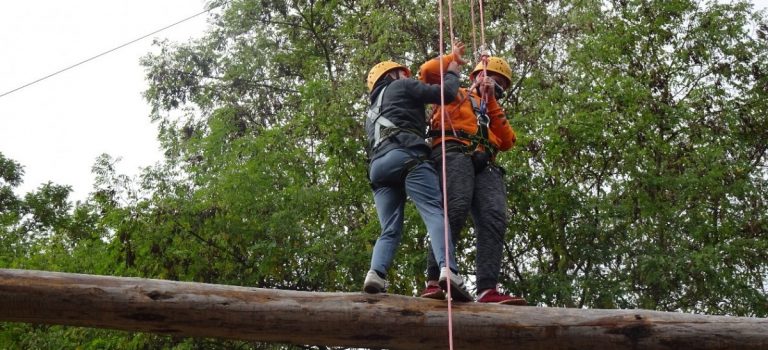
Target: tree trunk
x=352, y=319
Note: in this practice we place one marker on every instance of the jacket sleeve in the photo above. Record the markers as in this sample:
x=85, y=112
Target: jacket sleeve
x=430, y=92
x=500, y=126
x=429, y=72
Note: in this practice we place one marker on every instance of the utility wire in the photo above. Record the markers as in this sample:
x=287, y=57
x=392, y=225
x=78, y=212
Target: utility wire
x=108, y=51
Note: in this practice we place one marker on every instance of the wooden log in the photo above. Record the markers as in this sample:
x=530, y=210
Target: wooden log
x=351, y=319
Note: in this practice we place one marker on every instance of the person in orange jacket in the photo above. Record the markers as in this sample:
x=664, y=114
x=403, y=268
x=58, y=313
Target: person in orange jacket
x=475, y=130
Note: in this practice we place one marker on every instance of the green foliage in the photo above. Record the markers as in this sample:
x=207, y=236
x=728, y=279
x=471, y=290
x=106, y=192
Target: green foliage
x=644, y=166
x=11, y=173
x=639, y=178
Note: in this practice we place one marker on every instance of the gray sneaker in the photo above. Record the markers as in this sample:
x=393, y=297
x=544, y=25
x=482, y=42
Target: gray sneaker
x=458, y=290
x=373, y=283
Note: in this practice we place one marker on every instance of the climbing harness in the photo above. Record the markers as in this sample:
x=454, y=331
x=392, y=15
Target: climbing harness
x=383, y=128
x=380, y=124
x=481, y=156
x=480, y=148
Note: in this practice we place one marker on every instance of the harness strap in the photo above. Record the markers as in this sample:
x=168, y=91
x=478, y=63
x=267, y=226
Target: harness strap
x=379, y=123
x=482, y=120
x=412, y=163
x=480, y=138
x=383, y=128
x=474, y=139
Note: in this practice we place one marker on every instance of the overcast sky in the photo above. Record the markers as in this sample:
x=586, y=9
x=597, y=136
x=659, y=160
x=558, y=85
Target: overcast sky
x=56, y=128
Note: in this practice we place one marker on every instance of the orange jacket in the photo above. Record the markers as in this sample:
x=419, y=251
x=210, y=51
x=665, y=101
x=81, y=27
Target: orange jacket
x=460, y=115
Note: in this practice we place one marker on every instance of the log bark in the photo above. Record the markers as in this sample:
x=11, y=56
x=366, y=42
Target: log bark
x=351, y=319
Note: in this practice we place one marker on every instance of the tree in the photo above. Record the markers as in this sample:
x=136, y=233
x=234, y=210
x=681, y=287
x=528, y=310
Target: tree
x=646, y=178
x=638, y=180
x=11, y=173
x=640, y=162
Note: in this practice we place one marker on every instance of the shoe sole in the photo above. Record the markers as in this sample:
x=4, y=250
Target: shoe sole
x=515, y=302
x=373, y=289
x=456, y=293
x=439, y=295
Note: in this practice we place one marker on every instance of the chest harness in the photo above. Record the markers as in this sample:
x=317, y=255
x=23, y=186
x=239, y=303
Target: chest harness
x=380, y=124
x=479, y=138
x=383, y=128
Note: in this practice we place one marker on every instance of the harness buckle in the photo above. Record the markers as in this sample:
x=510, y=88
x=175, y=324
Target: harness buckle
x=483, y=119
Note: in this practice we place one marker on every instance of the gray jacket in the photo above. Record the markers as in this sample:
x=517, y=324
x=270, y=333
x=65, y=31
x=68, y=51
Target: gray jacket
x=403, y=104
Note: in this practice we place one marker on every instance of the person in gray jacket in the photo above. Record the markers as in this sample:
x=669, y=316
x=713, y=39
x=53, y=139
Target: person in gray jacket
x=399, y=168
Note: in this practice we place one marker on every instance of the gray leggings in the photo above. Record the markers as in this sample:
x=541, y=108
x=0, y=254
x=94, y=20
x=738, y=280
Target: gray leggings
x=483, y=195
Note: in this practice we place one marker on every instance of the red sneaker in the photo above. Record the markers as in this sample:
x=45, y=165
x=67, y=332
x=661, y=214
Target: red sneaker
x=493, y=296
x=433, y=291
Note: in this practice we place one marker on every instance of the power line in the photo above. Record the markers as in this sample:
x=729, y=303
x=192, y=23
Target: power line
x=108, y=51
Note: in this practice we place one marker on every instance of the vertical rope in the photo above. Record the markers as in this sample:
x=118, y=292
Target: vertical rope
x=482, y=23
x=450, y=22
x=474, y=35
x=484, y=54
x=446, y=229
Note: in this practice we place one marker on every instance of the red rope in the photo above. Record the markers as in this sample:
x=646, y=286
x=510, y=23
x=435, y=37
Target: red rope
x=484, y=54
x=484, y=59
x=482, y=24
x=445, y=189
x=474, y=36
x=451, y=34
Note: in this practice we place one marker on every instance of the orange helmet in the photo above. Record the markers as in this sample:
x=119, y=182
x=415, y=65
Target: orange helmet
x=382, y=68
x=496, y=65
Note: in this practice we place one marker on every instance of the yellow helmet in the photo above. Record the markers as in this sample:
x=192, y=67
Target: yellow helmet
x=496, y=65
x=382, y=68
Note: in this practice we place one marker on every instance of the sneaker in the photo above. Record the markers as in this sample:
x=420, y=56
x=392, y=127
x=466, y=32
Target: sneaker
x=433, y=291
x=493, y=296
x=458, y=290
x=373, y=283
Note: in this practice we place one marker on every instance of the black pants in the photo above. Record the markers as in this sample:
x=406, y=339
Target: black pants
x=483, y=195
